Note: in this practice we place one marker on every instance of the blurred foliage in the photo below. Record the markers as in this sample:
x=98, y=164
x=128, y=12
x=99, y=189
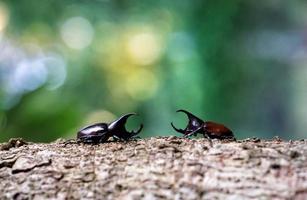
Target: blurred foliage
x=66, y=64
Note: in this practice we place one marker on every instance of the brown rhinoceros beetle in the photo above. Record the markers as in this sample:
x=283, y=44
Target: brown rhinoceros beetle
x=101, y=132
x=210, y=130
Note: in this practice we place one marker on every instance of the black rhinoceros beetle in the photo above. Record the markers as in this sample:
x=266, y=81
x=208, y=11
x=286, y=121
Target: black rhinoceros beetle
x=101, y=132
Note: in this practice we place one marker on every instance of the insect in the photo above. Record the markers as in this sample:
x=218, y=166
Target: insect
x=101, y=132
x=210, y=130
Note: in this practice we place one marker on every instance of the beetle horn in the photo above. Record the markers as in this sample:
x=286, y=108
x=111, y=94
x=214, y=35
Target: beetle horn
x=191, y=116
x=139, y=130
x=193, y=125
x=177, y=129
x=119, y=124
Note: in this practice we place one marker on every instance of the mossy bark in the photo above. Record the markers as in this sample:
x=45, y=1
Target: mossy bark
x=155, y=168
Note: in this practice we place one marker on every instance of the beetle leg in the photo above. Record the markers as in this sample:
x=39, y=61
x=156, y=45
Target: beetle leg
x=88, y=140
x=192, y=133
x=70, y=141
x=135, y=138
x=209, y=139
x=116, y=138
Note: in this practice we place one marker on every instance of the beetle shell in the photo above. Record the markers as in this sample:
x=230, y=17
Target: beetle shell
x=94, y=133
x=217, y=131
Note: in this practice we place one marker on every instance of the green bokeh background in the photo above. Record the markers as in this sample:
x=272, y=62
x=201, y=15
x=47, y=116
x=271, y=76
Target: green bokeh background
x=66, y=64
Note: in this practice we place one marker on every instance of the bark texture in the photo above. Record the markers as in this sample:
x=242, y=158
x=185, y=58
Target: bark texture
x=155, y=168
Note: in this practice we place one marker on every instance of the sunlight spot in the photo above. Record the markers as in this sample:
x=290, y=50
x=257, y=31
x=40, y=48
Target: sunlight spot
x=77, y=33
x=144, y=48
x=56, y=67
x=30, y=75
x=4, y=16
x=142, y=85
x=181, y=47
x=99, y=116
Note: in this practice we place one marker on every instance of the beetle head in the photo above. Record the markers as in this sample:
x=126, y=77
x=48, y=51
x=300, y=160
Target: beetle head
x=118, y=127
x=194, y=123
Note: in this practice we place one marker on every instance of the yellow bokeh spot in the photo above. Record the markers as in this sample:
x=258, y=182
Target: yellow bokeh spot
x=142, y=85
x=99, y=116
x=4, y=16
x=144, y=48
x=123, y=57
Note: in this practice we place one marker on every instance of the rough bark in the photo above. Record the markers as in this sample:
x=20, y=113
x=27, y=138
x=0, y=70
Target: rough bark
x=155, y=168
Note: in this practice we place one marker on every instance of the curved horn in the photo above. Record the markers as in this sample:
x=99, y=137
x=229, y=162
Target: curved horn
x=193, y=125
x=190, y=115
x=119, y=130
x=120, y=121
x=139, y=130
x=177, y=129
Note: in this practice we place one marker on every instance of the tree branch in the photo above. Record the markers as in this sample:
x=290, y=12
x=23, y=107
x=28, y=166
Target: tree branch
x=164, y=168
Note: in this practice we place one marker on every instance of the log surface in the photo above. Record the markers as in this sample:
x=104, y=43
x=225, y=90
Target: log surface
x=155, y=168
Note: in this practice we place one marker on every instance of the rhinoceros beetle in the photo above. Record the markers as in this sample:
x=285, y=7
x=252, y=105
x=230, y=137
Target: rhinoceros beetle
x=101, y=132
x=210, y=130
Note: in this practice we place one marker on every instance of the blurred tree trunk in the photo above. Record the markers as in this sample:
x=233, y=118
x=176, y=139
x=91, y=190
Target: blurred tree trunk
x=156, y=168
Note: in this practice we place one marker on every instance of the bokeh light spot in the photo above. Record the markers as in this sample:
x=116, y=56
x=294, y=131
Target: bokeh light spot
x=56, y=67
x=77, y=33
x=181, y=47
x=99, y=116
x=142, y=85
x=144, y=48
x=30, y=75
x=4, y=16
